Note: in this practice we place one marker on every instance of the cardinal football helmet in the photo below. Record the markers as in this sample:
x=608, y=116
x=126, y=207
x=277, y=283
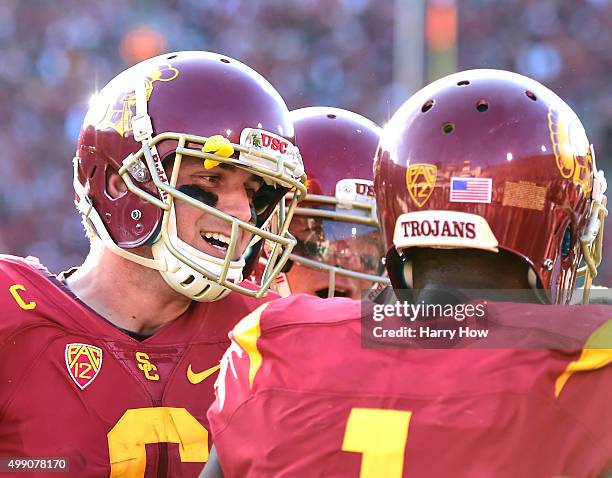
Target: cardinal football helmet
x=197, y=105
x=335, y=225
x=492, y=160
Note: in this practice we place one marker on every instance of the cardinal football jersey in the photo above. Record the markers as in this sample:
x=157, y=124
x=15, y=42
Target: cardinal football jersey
x=298, y=396
x=74, y=386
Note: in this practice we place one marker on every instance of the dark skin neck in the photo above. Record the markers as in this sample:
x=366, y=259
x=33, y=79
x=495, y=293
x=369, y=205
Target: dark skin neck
x=468, y=269
x=435, y=269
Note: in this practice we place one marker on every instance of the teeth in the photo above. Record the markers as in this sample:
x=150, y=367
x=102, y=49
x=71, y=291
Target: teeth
x=217, y=236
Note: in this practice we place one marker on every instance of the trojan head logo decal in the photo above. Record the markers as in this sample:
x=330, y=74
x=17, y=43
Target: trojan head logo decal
x=119, y=116
x=571, y=149
x=420, y=181
x=83, y=362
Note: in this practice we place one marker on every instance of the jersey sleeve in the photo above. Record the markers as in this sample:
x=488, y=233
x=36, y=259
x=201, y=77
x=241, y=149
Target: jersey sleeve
x=17, y=300
x=23, y=316
x=255, y=340
x=239, y=366
x=16, y=304
x=584, y=388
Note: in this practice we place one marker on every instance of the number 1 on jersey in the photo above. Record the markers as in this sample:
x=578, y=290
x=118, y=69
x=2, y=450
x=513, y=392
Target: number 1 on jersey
x=380, y=435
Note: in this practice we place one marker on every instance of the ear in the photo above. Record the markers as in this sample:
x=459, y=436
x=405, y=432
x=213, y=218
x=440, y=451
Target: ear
x=115, y=186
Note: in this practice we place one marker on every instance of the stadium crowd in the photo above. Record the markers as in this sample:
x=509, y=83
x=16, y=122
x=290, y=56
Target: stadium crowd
x=315, y=52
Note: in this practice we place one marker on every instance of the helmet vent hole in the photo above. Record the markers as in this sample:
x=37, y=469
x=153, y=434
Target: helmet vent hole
x=171, y=57
x=427, y=106
x=482, y=106
x=187, y=281
x=331, y=116
x=531, y=96
x=448, y=128
x=463, y=83
x=225, y=60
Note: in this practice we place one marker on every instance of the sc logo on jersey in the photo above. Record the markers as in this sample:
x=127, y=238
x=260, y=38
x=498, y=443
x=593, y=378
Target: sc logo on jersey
x=149, y=369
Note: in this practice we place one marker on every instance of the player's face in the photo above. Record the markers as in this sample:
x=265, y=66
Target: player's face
x=344, y=245
x=305, y=280
x=224, y=187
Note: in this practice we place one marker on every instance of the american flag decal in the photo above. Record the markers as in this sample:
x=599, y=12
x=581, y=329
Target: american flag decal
x=471, y=190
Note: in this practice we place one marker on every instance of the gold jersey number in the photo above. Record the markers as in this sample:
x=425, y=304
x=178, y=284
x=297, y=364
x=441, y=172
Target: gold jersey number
x=141, y=426
x=380, y=436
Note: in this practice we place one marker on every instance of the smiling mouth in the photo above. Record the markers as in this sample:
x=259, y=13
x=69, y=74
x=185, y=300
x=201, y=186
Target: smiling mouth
x=323, y=293
x=217, y=240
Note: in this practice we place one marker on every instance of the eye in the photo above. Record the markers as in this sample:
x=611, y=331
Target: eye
x=253, y=185
x=367, y=262
x=212, y=179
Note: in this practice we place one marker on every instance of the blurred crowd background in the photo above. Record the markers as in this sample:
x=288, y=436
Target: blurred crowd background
x=55, y=54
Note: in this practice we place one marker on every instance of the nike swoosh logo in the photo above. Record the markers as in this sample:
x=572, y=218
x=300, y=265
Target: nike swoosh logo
x=196, y=378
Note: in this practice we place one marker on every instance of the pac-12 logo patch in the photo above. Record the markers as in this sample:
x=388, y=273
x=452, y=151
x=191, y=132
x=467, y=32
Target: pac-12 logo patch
x=83, y=362
x=420, y=181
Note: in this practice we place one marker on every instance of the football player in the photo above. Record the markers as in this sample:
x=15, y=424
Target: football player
x=339, y=250
x=483, y=180
x=179, y=164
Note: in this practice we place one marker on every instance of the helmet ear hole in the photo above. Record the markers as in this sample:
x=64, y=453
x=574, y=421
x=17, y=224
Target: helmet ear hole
x=115, y=185
x=566, y=243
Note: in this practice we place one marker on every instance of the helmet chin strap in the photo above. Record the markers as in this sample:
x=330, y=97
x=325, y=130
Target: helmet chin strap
x=184, y=278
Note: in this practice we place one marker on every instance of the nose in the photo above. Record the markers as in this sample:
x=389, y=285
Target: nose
x=345, y=257
x=235, y=202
